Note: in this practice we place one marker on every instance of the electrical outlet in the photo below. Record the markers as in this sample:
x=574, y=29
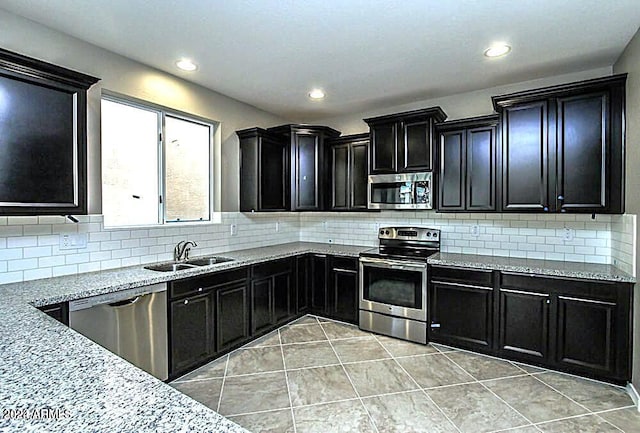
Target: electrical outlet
x=72, y=241
x=277, y=226
x=475, y=230
x=567, y=234
x=234, y=229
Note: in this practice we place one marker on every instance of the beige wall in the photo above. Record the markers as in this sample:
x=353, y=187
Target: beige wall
x=458, y=106
x=122, y=75
x=629, y=62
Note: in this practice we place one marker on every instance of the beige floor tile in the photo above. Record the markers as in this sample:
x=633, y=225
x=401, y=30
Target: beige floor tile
x=305, y=320
x=302, y=334
x=410, y=412
x=627, y=420
x=474, y=409
x=208, y=371
x=583, y=424
x=255, y=360
x=434, y=370
x=379, y=377
x=340, y=417
x=319, y=385
x=309, y=355
x=254, y=393
x=359, y=349
x=205, y=391
x=483, y=367
x=335, y=331
x=594, y=396
x=270, y=339
x=405, y=348
x=534, y=399
x=279, y=421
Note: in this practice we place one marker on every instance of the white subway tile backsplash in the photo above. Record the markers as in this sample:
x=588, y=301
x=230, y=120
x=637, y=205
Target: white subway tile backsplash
x=22, y=264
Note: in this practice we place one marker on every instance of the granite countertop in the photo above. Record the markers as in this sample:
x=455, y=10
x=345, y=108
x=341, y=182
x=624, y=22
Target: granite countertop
x=588, y=271
x=54, y=379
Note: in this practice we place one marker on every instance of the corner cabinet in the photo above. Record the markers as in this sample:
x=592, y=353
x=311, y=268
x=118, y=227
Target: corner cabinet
x=307, y=158
x=264, y=171
x=563, y=147
x=403, y=142
x=349, y=167
x=44, y=137
x=467, y=164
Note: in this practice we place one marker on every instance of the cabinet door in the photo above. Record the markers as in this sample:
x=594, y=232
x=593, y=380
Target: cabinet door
x=586, y=335
x=524, y=324
x=273, y=175
x=319, y=283
x=462, y=314
x=304, y=281
x=384, y=147
x=344, y=295
x=480, y=168
x=261, y=301
x=525, y=158
x=583, y=149
x=232, y=316
x=191, y=329
x=452, y=170
x=359, y=171
x=282, y=297
x=340, y=181
x=414, y=151
x=306, y=194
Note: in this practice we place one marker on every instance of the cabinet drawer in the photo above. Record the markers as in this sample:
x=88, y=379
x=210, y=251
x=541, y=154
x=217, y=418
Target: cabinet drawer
x=274, y=267
x=461, y=275
x=344, y=263
x=199, y=284
x=596, y=290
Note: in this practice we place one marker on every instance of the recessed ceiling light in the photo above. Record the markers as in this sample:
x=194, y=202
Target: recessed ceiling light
x=186, y=65
x=497, y=50
x=316, y=94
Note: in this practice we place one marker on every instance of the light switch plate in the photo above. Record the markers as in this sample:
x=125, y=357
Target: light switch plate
x=234, y=229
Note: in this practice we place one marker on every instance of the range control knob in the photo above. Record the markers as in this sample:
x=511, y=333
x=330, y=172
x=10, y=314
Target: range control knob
x=386, y=232
x=381, y=232
x=435, y=234
x=428, y=234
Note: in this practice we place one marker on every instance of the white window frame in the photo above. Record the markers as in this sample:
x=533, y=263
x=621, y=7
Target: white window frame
x=214, y=159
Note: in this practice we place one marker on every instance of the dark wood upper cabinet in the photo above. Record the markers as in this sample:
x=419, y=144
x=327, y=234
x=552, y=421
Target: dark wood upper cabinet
x=264, y=171
x=44, y=137
x=308, y=164
x=348, y=161
x=403, y=142
x=467, y=164
x=563, y=147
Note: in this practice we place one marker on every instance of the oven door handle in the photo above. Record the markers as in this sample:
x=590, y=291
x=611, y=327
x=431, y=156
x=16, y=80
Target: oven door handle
x=393, y=264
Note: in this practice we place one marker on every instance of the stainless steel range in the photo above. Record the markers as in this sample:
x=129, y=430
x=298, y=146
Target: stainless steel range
x=393, y=282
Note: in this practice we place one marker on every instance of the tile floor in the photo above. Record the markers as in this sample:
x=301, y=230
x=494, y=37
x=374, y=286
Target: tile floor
x=316, y=375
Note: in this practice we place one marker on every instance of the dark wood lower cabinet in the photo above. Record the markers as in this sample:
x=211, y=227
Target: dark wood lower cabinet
x=343, y=290
x=191, y=326
x=272, y=294
x=303, y=283
x=578, y=326
x=232, y=316
x=461, y=306
x=524, y=325
x=319, y=278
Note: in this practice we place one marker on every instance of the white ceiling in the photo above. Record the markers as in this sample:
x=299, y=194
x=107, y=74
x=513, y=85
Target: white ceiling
x=365, y=54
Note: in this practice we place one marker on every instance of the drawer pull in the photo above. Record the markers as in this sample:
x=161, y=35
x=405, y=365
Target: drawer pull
x=470, y=286
x=591, y=301
x=521, y=292
x=351, y=271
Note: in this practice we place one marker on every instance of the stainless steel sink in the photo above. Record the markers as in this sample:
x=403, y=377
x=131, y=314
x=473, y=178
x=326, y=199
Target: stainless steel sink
x=189, y=264
x=170, y=267
x=207, y=261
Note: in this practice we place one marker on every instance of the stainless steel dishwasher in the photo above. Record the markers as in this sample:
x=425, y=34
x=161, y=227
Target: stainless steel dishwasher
x=131, y=323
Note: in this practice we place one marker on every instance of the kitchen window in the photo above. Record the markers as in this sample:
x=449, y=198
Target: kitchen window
x=157, y=165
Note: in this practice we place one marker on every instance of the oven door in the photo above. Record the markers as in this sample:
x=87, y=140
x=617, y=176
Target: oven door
x=394, y=287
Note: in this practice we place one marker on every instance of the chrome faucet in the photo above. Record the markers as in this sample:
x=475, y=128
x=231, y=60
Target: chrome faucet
x=181, y=251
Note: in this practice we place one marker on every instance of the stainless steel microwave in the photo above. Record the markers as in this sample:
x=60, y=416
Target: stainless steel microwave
x=400, y=191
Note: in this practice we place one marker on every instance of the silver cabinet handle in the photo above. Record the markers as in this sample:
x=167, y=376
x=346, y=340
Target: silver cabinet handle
x=470, y=286
x=199, y=289
x=186, y=301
